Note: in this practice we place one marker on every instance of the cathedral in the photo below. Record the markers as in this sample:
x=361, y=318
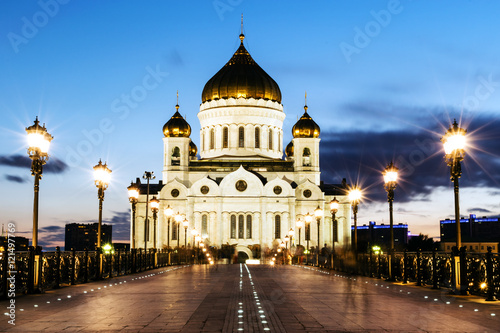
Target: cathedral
x=237, y=187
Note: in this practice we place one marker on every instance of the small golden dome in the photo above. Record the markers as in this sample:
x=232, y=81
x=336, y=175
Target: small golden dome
x=193, y=150
x=177, y=126
x=289, y=149
x=241, y=77
x=305, y=127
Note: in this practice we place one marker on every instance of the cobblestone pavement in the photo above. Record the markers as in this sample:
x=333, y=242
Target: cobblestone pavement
x=241, y=298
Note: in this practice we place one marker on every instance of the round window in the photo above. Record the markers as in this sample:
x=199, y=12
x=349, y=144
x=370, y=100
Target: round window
x=204, y=189
x=175, y=193
x=241, y=185
x=307, y=193
x=277, y=190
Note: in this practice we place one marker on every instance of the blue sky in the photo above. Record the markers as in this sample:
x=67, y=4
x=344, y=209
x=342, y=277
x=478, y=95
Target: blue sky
x=384, y=81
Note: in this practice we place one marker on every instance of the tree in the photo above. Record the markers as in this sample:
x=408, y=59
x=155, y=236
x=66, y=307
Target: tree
x=422, y=242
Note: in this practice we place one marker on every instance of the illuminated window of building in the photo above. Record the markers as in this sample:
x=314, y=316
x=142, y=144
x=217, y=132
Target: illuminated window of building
x=270, y=139
x=277, y=227
x=212, y=138
x=225, y=137
x=249, y=226
x=241, y=137
x=241, y=226
x=233, y=226
x=257, y=137
x=204, y=225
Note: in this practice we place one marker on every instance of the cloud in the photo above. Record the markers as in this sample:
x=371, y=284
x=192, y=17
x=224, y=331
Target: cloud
x=360, y=156
x=51, y=236
x=121, y=226
x=479, y=210
x=54, y=165
x=15, y=179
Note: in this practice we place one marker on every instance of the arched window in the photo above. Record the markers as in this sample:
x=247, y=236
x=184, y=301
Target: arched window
x=279, y=141
x=233, y=226
x=308, y=231
x=241, y=226
x=241, y=137
x=270, y=139
x=204, y=226
x=257, y=137
x=249, y=226
x=225, y=137
x=277, y=227
x=174, y=230
x=212, y=138
x=176, y=156
x=306, y=157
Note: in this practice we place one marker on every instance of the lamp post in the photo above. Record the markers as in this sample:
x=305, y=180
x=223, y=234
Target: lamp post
x=334, y=208
x=318, y=213
x=38, y=151
x=390, y=182
x=354, y=198
x=148, y=175
x=454, y=147
x=197, y=239
x=283, y=245
x=168, y=213
x=155, y=205
x=308, y=218
x=299, y=225
x=133, y=196
x=178, y=220
x=185, y=223
x=101, y=175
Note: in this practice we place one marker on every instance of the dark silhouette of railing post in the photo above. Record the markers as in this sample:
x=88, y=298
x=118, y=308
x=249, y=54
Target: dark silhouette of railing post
x=119, y=264
x=57, y=268
x=435, y=276
x=489, y=276
x=5, y=284
x=73, y=265
x=86, y=266
x=405, y=267
x=133, y=254
x=379, y=266
x=111, y=257
x=419, y=269
x=464, y=283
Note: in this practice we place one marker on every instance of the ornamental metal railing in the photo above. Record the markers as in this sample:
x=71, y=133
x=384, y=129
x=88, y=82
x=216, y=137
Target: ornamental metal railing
x=56, y=269
x=434, y=269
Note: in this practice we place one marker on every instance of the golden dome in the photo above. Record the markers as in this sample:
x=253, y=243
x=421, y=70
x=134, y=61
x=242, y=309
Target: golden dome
x=193, y=150
x=305, y=127
x=241, y=77
x=289, y=149
x=177, y=126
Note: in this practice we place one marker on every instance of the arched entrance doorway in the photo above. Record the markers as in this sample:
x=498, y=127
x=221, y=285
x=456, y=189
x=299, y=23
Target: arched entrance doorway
x=242, y=257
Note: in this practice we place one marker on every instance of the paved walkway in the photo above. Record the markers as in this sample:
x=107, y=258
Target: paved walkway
x=233, y=298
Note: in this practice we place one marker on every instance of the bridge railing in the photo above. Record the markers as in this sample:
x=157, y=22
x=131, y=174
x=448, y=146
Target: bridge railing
x=435, y=269
x=62, y=268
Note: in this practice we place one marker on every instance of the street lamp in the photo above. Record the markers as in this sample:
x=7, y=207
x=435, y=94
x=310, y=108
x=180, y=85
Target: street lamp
x=283, y=245
x=390, y=182
x=454, y=143
x=168, y=213
x=102, y=174
x=334, y=208
x=155, y=205
x=133, y=196
x=185, y=224
x=308, y=218
x=354, y=198
x=299, y=225
x=318, y=213
x=38, y=150
x=148, y=175
x=178, y=220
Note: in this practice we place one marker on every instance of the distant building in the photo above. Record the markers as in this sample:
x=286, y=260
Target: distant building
x=81, y=236
x=373, y=234
x=477, y=233
x=121, y=246
x=21, y=243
